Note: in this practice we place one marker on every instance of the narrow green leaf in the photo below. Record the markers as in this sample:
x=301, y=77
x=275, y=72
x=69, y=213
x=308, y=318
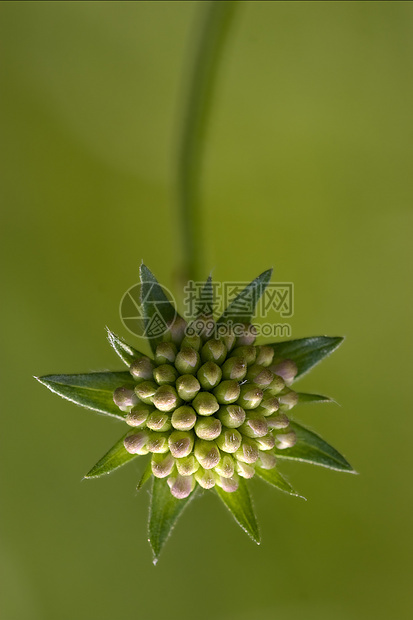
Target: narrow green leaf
x=240, y=506
x=126, y=353
x=157, y=308
x=273, y=477
x=205, y=302
x=147, y=473
x=114, y=458
x=313, y=398
x=92, y=390
x=306, y=352
x=242, y=308
x=310, y=448
x=164, y=511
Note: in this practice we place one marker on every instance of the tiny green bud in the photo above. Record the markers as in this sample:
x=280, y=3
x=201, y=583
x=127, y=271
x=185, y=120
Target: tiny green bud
x=158, y=421
x=214, y=351
x=165, y=374
x=187, y=361
x=230, y=485
x=286, y=440
x=248, y=352
x=265, y=355
x=227, y=392
x=181, y=486
x=205, y=478
x=260, y=376
x=208, y=428
x=248, y=335
x=269, y=405
x=135, y=442
x=266, y=460
x=158, y=442
x=255, y=425
x=250, y=396
x=231, y=416
x=209, y=375
x=195, y=342
x=287, y=369
x=278, y=421
x=226, y=466
x=228, y=339
x=207, y=453
x=288, y=400
x=234, y=368
x=165, y=353
x=248, y=452
x=276, y=386
x=177, y=330
x=183, y=418
x=141, y=369
x=138, y=414
x=181, y=443
x=146, y=390
x=205, y=403
x=162, y=464
x=244, y=470
x=265, y=443
x=187, y=386
x=229, y=440
x=166, y=398
x=187, y=466
x=125, y=398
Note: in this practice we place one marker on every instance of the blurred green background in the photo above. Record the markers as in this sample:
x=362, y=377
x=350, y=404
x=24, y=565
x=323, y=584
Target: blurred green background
x=307, y=169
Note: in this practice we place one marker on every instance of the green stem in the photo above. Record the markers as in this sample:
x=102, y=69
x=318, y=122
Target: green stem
x=214, y=29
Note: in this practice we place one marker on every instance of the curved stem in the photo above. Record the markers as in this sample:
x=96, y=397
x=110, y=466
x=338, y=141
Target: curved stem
x=210, y=42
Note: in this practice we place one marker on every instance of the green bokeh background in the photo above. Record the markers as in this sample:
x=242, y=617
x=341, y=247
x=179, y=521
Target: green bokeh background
x=307, y=169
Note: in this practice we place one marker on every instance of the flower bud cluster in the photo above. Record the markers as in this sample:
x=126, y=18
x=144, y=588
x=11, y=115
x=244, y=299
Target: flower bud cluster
x=208, y=409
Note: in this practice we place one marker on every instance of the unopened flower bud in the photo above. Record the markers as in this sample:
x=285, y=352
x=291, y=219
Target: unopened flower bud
x=165, y=374
x=248, y=335
x=226, y=466
x=187, y=361
x=207, y=453
x=177, y=330
x=146, y=391
x=194, y=341
x=286, y=440
x=244, y=470
x=276, y=386
x=162, y=464
x=183, y=418
x=250, y=396
x=234, y=368
x=228, y=338
x=287, y=369
x=265, y=443
x=288, y=400
x=269, y=405
x=266, y=460
x=205, y=478
x=231, y=416
x=141, y=369
x=208, y=428
x=158, y=442
x=255, y=425
x=229, y=440
x=187, y=466
x=205, y=403
x=181, y=443
x=135, y=442
x=265, y=355
x=248, y=452
x=125, y=398
x=158, y=421
x=230, y=485
x=209, y=375
x=166, y=398
x=187, y=387
x=181, y=486
x=138, y=414
x=278, y=421
x=227, y=392
x=248, y=352
x=165, y=353
x=213, y=351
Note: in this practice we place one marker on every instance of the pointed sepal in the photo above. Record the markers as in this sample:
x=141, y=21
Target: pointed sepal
x=304, y=397
x=240, y=506
x=273, y=477
x=146, y=475
x=126, y=353
x=113, y=459
x=242, y=308
x=306, y=352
